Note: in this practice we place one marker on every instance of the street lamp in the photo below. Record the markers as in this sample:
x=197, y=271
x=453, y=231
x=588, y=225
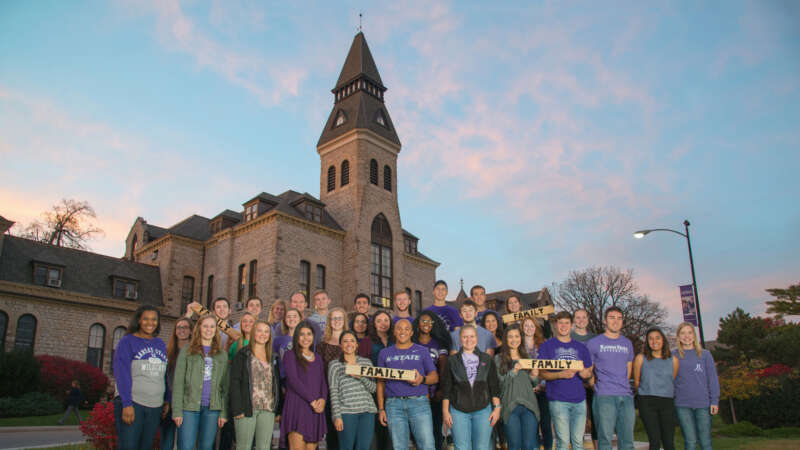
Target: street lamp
x=642, y=233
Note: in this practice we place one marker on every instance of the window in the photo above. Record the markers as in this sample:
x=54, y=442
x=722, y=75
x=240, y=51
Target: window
x=381, y=262
x=3, y=328
x=320, y=276
x=210, y=291
x=313, y=212
x=187, y=291
x=134, y=243
x=251, y=285
x=250, y=212
x=380, y=118
x=216, y=226
x=341, y=118
x=411, y=246
x=345, y=172
x=45, y=275
x=305, y=276
x=417, y=302
x=128, y=289
x=119, y=332
x=94, y=352
x=387, y=178
x=331, y=178
x=26, y=333
x=373, y=172
x=242, y=281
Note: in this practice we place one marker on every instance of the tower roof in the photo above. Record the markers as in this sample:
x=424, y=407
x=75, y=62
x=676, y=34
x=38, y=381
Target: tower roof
x=359, y=62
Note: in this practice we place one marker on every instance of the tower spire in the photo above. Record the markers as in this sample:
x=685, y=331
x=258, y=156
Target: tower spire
x=360, y=16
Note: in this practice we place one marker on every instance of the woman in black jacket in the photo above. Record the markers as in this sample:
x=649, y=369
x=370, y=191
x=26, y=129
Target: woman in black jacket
x=256, y=402
x=471, y=390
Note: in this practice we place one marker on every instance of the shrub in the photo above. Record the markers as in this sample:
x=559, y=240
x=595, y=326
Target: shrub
x=57, y=374
x=30, y=404
x=743, y=428
x=100, y=428
x=775, y=406
x=19, y=373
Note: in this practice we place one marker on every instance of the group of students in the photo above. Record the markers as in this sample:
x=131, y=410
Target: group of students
x=289, y=371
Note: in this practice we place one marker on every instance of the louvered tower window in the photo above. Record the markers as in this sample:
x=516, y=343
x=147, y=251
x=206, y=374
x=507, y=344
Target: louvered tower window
x=387, y=178
x=373, y=172
x=331, y=178
x=345, y=172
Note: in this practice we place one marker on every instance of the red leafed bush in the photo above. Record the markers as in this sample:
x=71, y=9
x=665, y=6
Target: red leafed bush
x=774, y=370
x=100, y=429
x=57, y=374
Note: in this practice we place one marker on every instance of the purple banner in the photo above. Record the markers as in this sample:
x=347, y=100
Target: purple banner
x=688, y=304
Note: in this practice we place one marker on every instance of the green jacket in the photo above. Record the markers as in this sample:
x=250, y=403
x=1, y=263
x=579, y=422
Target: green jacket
x=188, y=385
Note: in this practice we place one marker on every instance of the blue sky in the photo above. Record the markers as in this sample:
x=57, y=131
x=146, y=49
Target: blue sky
x=537, y=136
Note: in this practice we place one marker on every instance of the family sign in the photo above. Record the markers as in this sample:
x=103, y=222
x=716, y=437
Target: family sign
x=541, y=311
x=385, y=373
x=551, y=364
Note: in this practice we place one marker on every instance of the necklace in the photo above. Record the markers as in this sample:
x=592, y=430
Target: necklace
x=308, y=357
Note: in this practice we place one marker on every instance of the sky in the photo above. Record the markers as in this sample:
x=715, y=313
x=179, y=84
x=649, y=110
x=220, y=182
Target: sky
x=537, y=136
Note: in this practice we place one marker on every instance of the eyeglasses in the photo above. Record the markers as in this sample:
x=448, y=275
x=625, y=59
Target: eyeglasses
x=337, y=319
x=426, y=321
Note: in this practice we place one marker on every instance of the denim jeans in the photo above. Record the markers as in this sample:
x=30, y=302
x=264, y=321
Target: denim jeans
x=522, y=429
x=167, y=437
x=357, y=432
x=545, y=421
x=569, y=420
x=198, y=426
x=695, y=426
x=261, y=425
x=413, y=412
x=614, y=412
x=471, y=431
x=142, y=432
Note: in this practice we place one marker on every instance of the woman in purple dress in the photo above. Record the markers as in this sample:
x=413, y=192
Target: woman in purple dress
x=303, y=419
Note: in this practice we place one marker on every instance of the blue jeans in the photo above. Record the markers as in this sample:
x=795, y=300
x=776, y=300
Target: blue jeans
x=471, y=431
x=414, y=412
x=569, y=420
x=522, y=429
x=167, y=436
x=142, y=432
x=614, y=412
x=357, y=432
x=695, y=426
x=545, y=422
x=199, y=426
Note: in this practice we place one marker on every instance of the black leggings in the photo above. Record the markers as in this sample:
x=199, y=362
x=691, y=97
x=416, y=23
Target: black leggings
x=658, y=416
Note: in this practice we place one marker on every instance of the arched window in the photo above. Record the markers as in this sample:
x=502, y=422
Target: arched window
x=242, y=283
x=119, y=332
x=252, y=284
x=210, y=291
x=345, y=172
x=187, y=291
x=97, y=339
x=134, y=242
x=331, y=178
x=381, y=262
x=26, y=333
x=373, y=172
x=387, y=178
x=305, y=277
x=3, y=328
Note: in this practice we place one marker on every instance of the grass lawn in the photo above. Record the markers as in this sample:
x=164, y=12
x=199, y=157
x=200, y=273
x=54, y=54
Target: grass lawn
x=70, y=447
x=40, y=421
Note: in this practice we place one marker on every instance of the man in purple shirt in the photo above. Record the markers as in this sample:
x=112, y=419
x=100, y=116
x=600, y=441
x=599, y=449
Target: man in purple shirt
x=402, y=305
x=405, y=403
x=612, y=408
x=446, y=312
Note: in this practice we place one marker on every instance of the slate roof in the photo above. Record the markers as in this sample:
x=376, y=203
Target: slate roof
x=359, y=62
x=230, y=215
x=289, y=198
x=83, y=272
x=194, y=227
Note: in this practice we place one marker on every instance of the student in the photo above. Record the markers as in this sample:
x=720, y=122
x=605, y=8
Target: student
x=520, y=412
x=299, y=302
x=380, y=336
x=361, y=304
x=654, y=372
x=359, y=323
x=221, y=308
x=303, y=418
x=200, y=394
x=140, y=368
x=181, y=335
x=446, y=312
x=431, y=332
x=513, y=305
x=283, y=343
x=532, y=339
x=612, y=357
x=245, y=327
x=486, y=340
x=471, y=393
x=74, y=400
x=255, y=390
x=696, y=389
x=477, y=294
x=330, y=350
x=404, y=404
x=352, y=406
x=491, y=321
x=254, y=306
x=581, y=333
x=402, y=305
x=321, y=303
x=275, y=316
x=565, y=392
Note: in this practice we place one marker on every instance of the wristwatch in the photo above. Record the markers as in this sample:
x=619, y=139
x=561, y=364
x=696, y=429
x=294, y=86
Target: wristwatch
x=497, y=406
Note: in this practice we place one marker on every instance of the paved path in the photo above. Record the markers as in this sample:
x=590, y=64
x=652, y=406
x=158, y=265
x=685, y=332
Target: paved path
x=31, y=437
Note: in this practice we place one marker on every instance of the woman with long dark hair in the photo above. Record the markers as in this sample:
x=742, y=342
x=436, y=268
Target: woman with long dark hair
x=696, y=388
x=532, y=337
x=381, y=335
x=140, y=368
x=303, y=418
x=491, y=322
x=359, y=324
x=654, y=372
x=430, y=331
x=255, y=390
x=520, y=411
x=181, y=334
x=200, y=394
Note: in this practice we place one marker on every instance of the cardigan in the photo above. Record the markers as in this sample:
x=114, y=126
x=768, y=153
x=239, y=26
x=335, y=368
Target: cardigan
x=456, y=387
x=516, y=390
x=241, y=389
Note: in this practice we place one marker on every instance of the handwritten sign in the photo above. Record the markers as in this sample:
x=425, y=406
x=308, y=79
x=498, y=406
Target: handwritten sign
x=385, y=373
x=551, y=364
x=541, y=311
x=223, y=325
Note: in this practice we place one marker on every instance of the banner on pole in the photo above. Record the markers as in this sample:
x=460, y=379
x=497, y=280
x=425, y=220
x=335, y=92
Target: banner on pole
x=688, y=304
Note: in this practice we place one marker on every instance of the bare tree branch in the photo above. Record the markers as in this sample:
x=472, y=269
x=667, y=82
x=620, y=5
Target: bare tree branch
x=67, y=224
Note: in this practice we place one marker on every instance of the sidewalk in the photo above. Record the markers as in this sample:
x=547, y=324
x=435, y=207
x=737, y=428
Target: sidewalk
x=39, y=437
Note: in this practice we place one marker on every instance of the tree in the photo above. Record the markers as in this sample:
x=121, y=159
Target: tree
x=741, y=335
x=597, y=288
x=786, y=303
x=67, y=224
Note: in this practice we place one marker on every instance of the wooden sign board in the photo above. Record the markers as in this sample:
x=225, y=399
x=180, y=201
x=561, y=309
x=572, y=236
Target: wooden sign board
x=541, y=311
x=551, y=364
x=385, y=373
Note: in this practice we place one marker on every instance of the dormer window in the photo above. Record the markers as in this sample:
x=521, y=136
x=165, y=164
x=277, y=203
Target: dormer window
x=125, y=288
x=313, y=212
x=216, y=226
x=411, y=246
x=341, y=118
x=250, y=212
x=46, y=275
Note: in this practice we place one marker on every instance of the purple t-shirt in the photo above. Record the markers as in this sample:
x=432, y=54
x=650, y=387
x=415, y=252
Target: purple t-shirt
x=611, y=358
x=470, y=361
x=396, y=318
x=205, y=397
x=571, y=389
x=448, y=314
x=415, y=357
x=435, y=351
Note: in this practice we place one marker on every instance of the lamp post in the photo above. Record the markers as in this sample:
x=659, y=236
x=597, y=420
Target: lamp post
x=642, y=233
